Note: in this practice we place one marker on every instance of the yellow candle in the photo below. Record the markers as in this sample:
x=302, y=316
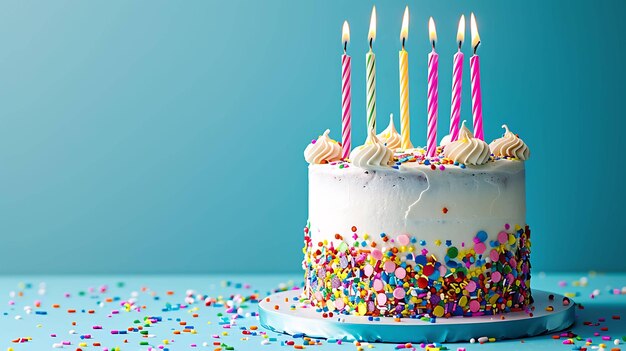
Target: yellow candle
x=405, y=129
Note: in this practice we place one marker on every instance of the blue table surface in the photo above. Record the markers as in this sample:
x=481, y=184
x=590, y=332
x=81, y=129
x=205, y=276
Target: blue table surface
x=35, y=313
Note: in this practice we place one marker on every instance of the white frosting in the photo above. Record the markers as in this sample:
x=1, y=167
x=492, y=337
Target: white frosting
x=467, y=149
x=509, y=145
x=447, y=139
x=410, y=201
x=372, y=155
x=390, y=136
x=323, y=150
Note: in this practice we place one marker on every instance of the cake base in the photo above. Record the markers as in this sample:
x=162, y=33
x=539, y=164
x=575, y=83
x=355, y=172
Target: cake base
x=277, y=313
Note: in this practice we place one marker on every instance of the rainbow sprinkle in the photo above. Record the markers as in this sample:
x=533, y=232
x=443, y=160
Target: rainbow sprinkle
x=485, y=278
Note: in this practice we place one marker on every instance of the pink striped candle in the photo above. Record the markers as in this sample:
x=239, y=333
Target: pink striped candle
x=477, y=98
x=433, y=93
x=457, y=83
x=346, y=95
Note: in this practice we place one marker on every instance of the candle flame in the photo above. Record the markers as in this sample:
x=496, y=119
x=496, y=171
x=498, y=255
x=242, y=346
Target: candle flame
x=474, y=31
x=345, y=33
x=432, y=31
x=371, y=36
x=404, y=32
x=460, y=35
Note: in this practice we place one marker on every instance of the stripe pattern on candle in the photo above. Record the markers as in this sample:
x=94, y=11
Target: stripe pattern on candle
x=346, y=108
x=477, y=99
x=405, y=128
x=457, y=82
x=370, y=61
x=433, y=98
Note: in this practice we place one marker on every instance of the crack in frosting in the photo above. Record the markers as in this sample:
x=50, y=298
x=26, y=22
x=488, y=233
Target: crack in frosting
x=322, y=150
x=467, y=149
x=373, y=154
x=510, y=145
x=390, y=135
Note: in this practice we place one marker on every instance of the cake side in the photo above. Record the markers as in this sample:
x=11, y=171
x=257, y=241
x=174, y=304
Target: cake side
x=417, y=241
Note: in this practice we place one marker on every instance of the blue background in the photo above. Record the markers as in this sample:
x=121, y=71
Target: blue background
x=167, y=136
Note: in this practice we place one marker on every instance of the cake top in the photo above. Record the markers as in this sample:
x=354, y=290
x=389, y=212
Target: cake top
x=382, y=151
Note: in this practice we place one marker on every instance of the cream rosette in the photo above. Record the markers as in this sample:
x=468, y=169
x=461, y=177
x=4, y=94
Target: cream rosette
x=322, y=150
x=373, y=154
x=390, y=136
x=467, y=149
x=510, y=145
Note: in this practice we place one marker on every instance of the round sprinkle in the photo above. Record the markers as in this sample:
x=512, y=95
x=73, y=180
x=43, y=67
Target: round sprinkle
x=381, y=299
x=378, y=285
x=390, y=267
x=398, y=293
x=496, y=276
x=494, y=255
x=428, y=270
x=481, y=236
x=403, y=239
x=453, y=252
x=438, y=311
x=377, y=254
x=503, y=237
x=474, y=306
x=479, y=248
x=400, y=273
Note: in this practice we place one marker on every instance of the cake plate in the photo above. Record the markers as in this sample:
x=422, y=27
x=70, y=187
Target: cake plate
x=282, y=313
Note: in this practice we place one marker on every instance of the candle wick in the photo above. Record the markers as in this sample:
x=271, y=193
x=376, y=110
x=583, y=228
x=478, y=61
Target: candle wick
x=403, y=39
x=345, y=47
x=476, y=47
x=371, y=42
x=433, y=45
x=460, y=44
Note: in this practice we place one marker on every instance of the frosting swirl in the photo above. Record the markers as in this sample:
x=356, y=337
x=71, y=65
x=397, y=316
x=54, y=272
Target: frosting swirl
x=322, y=150
x=390, y=136
x=467, y=149
x=371, y=155
x=509, y=145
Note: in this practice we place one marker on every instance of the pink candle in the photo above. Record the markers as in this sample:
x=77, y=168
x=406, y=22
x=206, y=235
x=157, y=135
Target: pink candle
x=457, y=82
x=433, y=93
x=477, y=98
x=346, y=95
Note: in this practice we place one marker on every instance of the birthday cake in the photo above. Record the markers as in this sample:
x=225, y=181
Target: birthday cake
x=394, y=232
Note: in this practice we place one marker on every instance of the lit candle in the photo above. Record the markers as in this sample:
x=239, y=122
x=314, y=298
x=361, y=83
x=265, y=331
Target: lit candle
x=370, y=64
x=477, y=98
x=346, y=94
x=433, y=92
x=457, y=80
x=405, y=129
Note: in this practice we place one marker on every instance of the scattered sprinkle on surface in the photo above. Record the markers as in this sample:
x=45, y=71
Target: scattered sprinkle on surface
x=208, y=313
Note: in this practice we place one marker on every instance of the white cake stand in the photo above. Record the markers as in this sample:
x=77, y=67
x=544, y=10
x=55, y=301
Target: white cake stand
x=277, y=313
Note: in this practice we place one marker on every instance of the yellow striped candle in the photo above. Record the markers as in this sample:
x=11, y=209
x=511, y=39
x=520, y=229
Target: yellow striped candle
x=405, y=129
